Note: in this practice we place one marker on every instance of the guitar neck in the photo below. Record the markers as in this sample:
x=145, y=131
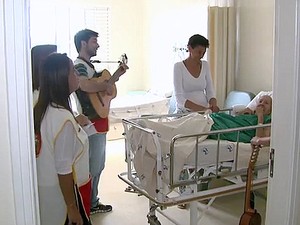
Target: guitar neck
x=247, y=207
x=114, y=78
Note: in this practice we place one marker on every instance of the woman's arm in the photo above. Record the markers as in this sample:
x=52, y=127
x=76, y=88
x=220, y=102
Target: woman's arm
x=67, y=188
x=262, y=134
x=257, y=141
x=194, y=107
x=178, y=87
x=246, y=111
x=213, y=105
x=263, y=137
x=64, y=155
x=210, y=90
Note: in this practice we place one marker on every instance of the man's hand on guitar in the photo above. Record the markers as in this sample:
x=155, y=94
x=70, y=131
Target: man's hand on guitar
x=109, y=88
x=101, y=99
x=121, y=70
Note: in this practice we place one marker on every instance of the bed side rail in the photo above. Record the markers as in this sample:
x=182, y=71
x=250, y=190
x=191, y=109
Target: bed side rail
x=218, y=174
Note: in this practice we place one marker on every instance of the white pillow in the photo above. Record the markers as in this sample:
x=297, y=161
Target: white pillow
x=236, y=109
x=252, y=105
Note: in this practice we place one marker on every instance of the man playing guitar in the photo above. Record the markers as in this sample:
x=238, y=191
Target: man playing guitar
x=86, y=44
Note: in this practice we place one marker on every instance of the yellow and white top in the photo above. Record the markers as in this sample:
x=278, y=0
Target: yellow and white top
x=64, y=150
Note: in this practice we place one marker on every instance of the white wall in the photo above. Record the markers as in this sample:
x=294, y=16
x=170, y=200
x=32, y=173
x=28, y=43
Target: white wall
x=126, y=36
x=169, y=24
x=255, y=58
x=147, y=31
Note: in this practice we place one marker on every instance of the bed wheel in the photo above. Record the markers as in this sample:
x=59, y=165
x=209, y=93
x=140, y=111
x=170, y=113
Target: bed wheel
x=153, y=220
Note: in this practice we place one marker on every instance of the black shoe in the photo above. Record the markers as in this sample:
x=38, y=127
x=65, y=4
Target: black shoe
x=100, y=208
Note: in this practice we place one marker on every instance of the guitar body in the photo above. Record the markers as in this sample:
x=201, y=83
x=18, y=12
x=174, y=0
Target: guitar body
x=101, y=100
x=249, y=218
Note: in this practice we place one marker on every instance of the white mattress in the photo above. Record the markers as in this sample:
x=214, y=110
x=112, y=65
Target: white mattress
x=136, y=104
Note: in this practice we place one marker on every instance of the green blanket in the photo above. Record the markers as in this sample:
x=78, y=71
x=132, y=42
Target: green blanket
x=225, y=121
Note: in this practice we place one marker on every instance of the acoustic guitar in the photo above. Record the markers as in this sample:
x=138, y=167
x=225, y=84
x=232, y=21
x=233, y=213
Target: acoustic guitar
x=250, y=215
x=101, y=100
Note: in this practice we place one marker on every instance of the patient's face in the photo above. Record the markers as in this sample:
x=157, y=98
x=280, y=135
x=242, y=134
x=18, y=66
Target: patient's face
x=266, y=103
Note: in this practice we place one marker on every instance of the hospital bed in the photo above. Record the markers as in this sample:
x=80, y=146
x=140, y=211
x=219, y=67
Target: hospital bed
x=173, y=162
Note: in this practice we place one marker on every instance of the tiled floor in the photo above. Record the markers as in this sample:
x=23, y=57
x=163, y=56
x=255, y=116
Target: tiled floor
x=131, y=209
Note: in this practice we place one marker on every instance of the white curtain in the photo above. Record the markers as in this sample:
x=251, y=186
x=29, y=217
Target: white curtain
x=221, y=3
x=222, y=53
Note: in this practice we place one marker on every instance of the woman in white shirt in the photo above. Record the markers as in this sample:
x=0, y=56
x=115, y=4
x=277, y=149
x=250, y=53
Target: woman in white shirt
x=193, y=86
x=62, y=153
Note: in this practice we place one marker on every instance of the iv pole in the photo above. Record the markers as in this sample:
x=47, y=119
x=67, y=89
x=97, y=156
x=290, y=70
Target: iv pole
x=124, y=60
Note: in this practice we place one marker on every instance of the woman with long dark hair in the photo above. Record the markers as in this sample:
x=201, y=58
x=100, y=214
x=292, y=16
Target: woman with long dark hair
x=62, y=155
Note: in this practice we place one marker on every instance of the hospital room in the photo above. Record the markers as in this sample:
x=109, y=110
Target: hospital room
x=161, y=167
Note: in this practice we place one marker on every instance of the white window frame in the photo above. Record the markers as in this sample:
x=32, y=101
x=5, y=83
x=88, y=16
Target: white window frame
x=57, y=23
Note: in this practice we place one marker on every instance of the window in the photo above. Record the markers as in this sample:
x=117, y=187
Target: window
x=57, y=24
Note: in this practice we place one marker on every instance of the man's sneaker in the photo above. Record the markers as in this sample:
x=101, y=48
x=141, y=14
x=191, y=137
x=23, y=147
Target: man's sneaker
x=100, y=208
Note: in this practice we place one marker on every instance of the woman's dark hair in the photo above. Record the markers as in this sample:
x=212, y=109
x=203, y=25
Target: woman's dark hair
x=83, y=35
x=38, y=56
x=197, y=40
x=54, y=86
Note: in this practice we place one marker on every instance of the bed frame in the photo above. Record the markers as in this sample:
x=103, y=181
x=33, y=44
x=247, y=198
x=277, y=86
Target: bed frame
x=197, y=177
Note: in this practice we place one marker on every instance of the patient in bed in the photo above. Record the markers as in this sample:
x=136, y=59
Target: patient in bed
x=261, y=115
x=250, y=108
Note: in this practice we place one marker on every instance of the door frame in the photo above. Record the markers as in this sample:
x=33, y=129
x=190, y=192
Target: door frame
x=17, y=114
x=283, y=189
x=283, y=195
